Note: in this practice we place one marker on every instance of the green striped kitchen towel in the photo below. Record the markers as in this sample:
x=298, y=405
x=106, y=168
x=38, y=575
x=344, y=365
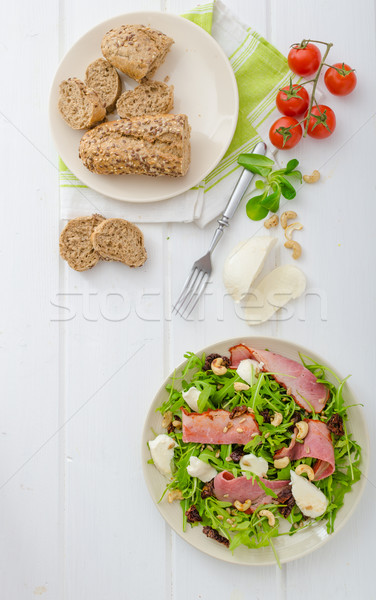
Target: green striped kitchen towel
x=259, y=70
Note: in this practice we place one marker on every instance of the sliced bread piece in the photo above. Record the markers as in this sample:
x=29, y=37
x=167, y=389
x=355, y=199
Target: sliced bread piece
x=104, y=79
x=120, y=240
x=79, y=105
x=75, y=244
x=148, y=98
x=136, y=50
x=149, y=145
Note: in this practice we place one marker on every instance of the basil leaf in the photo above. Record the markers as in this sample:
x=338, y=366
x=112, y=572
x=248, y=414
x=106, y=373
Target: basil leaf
x=256, y=163
x=271, y=202
x=287, y=189
x=254, y=210
x=260, y=184
x=291, y=165
x=295, y=175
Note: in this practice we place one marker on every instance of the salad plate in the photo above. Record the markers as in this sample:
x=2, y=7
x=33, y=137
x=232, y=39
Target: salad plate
x=284, y=548
x=205, y=90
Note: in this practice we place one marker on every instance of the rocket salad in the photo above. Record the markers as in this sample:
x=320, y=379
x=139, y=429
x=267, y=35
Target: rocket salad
x=263, y=398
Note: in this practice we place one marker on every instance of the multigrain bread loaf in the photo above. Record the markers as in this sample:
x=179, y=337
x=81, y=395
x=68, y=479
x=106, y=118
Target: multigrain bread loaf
x=136, y=50
x=75, y=244
x=104, y=79
x=79, y=105
x=148, y=98
x=120, y=240
x=149, y=145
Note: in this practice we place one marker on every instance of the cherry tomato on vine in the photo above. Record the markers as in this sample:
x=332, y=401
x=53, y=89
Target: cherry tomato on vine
x=340, y=79
x=304, y=61
x=292, y=100
x=322, y=122
x=285, y=133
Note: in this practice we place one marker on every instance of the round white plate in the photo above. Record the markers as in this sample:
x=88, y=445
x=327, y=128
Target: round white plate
x=288, y=548
x=205, y=90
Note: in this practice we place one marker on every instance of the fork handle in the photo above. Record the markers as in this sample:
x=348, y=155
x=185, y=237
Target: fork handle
x=236, y=196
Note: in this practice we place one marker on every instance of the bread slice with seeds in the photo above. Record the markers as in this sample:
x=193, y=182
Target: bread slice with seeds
x=136, y=50
x=148, y=98
x=79, y=105
x=75, y=244
x=104, y=79
x=150, y=145
x=120, y=240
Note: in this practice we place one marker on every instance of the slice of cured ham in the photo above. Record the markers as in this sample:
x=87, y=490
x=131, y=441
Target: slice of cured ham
x=229, y=488
x=317, y=444
x=301, y=384
x=216, y=427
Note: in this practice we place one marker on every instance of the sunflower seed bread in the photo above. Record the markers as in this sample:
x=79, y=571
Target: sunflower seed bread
x=75, y=244
x=104, y=79
x=120, y=240
x=79, y=105
x=136, y=50
x=148, y=145
x=148, y=98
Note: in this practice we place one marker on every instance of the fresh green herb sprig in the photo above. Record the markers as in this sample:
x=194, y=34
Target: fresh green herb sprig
x=275, y=183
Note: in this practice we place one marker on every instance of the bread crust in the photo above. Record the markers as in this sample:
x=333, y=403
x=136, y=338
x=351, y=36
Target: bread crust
x=75, y=244
x=147, y=98
x=149, y=145
x=88, y=106
x=104, y=79
x=136, y=50
x=120, y=240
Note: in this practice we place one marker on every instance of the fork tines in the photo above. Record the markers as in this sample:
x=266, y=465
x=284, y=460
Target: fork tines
x=191, y=293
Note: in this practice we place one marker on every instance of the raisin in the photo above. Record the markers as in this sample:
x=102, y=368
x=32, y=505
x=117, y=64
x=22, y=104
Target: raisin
x=286, y=498
x=213, y=533
x=266, y=415
x=335, y=424
x=208, y=490
x=238, y=411
x=209, y=359
x=193, y=515
x=237, y=454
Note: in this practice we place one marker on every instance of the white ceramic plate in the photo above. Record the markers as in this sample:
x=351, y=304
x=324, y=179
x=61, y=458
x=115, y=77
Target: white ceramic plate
x=205, y=90
x=288, y=548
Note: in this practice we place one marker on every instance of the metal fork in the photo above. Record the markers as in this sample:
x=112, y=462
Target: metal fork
x=202, y=268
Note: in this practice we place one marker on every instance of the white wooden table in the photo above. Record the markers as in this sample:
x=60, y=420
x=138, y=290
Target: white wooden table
x=76, y=518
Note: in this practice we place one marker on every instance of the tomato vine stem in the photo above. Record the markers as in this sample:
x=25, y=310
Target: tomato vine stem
x=313, y=99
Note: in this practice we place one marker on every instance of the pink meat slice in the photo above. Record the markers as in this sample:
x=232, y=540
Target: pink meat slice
x=229, y=488
x=208, y=427
x=301, y=383
x=239, y=353
x=317, y=444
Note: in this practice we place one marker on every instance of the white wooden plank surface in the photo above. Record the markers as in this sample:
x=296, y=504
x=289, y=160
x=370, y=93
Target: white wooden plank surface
x=77, y=520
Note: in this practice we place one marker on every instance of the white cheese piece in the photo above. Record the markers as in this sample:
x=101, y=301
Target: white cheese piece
x=310, y=500
x=244, y=263
x=162, y=453
x=191, y=397
x=255, y=464
x=248, y=369
x=200, y=469
x=276, y=289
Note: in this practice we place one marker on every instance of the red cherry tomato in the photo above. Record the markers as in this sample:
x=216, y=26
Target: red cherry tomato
x=322, y=122
x=304, y=61
x=281, y=136
x=292, y=100
x=341, y=82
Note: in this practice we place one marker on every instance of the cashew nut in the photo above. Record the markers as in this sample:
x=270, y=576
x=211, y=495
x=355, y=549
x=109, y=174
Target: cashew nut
x=174, y=495
x=289, y=230
x=305, y=469
x=281, y=463
x=218, y=367
x=271, y=222
x=177, y=424
x=287, y=216
x=312, y=178
x=269, y=515
x=243, y=507
x=302, y=429
x=277, y=419
x=239, y=386
x=296, y=248
x=167, y=419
